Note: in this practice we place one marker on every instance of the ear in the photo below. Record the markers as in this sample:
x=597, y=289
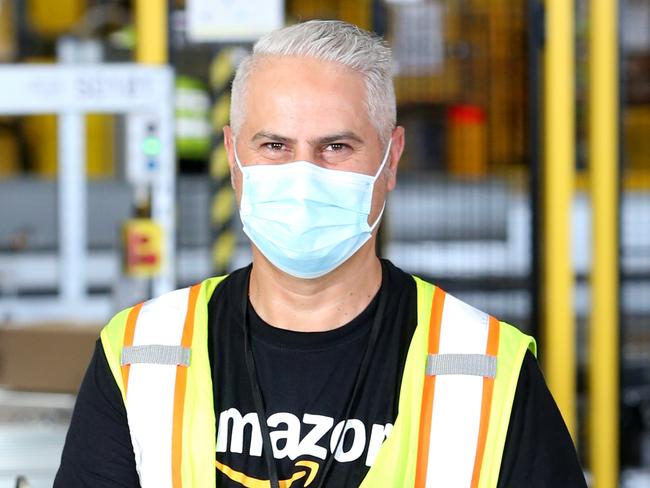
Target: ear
x=396, y=150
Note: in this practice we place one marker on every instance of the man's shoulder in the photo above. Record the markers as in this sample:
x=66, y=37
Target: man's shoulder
x=178, y=297
x=169, y=300
x=396, y=276
x=458, y=311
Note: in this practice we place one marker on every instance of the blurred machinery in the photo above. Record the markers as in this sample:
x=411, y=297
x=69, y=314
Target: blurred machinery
x=144, y=95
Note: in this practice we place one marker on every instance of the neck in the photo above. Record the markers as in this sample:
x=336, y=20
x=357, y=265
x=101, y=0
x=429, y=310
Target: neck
x=318, y=304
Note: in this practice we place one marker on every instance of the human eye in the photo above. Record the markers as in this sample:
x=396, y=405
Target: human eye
x=274, y=151
x=336, y=152
x=273, y=146
x=336, y=147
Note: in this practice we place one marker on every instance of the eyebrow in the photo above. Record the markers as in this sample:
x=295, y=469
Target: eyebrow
x=314, y=142
x=270, y=135
x=336, y=137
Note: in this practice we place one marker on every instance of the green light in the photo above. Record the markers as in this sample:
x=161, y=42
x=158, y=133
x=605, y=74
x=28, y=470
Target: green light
x=151, y=146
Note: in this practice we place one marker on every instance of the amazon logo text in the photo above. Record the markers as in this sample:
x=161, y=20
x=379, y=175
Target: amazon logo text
x=285, y=428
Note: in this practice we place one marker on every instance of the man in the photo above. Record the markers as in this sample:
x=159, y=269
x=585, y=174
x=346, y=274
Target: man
x=319, y=364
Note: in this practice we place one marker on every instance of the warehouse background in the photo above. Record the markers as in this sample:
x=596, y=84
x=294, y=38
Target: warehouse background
x=470, y=212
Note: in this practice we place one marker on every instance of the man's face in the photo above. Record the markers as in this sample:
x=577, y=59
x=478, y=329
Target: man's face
x=299, y=108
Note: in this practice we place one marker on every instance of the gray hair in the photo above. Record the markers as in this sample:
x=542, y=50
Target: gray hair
x=328, y=40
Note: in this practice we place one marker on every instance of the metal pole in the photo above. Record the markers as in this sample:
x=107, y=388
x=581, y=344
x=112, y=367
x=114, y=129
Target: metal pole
x=151, y=31
x=223, y=207
x=151, y=24
x=559, y=353
x=72, y=207
x=604, y=178
x=163, y=198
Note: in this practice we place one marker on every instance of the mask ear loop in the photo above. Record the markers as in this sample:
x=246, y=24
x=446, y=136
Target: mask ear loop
x=383, y=161
x=381, y=168
x=381, y=213
x=234, y=148
x=239, y=165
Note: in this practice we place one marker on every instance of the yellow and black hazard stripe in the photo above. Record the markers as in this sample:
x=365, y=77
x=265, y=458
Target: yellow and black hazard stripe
x=223, y=207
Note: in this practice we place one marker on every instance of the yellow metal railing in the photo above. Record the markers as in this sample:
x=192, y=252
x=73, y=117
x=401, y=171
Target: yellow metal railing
x=151, y=31
x=603, y=165
x=559, y=168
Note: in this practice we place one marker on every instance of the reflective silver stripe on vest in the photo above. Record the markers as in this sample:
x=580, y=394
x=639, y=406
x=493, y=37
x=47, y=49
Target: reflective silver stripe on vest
x=464, y=364
x=156, y=354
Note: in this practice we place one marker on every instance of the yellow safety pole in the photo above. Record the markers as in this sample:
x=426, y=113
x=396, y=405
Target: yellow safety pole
x=151, y=31
x=603, y=169
x=559, y=173
x=223, y=211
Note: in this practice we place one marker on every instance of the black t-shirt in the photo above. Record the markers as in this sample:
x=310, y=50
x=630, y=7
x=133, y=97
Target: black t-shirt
x=306, y=381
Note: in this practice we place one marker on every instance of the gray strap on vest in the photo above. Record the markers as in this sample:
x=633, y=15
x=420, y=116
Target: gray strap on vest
x=464, y=364
x=156, y=354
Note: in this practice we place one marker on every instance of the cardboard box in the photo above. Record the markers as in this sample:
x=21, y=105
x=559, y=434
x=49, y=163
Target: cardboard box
x=51, y=357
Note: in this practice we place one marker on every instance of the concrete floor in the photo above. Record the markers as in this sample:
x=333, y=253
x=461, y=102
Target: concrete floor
x=33, y=451
x=32, y=432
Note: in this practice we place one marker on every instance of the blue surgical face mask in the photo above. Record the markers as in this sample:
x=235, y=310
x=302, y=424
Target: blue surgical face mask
x=307, y=220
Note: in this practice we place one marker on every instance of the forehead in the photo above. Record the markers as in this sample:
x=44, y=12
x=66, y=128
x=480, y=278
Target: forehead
x=295, y=96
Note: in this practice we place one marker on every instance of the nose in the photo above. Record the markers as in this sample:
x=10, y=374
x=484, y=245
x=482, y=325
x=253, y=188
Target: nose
x=305, y=152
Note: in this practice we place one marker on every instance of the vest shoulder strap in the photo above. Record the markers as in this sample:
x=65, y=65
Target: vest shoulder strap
x=455, y=399
x=513, y=345
x=151, y=349
x=457, y=393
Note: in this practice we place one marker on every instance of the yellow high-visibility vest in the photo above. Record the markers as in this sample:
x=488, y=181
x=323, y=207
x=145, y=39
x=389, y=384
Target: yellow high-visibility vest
x=455, y=400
